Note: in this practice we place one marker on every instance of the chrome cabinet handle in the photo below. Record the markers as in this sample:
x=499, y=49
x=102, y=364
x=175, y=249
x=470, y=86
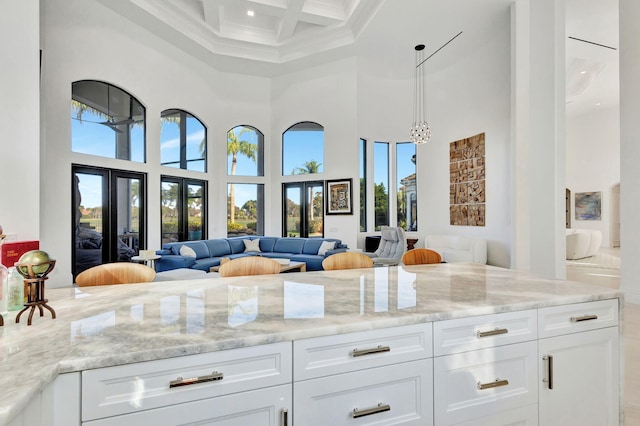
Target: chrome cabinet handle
x=369, y=411
x=284, y=417
x=491, y=332
x=549, y=379
x=584, y=318
x=193, y=380
x=361, y=352
x=495, y=384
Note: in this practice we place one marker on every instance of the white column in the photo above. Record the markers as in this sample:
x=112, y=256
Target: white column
x=20, y=118
x=546, y=143
x=630, y=148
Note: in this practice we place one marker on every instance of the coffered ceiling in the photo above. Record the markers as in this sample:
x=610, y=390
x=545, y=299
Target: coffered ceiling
x=267, y=37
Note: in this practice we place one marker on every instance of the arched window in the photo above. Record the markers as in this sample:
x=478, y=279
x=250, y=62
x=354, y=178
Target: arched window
x=183, y=141
x=245, y=151
x=106, y=121
x=303, y=149
x=245, y=200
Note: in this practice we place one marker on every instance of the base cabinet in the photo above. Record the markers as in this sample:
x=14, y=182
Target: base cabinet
x=268, y=407
x=579, y=379
x=399, y=394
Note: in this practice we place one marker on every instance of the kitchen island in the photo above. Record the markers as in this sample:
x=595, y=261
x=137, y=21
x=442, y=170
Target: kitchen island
x=101, y=330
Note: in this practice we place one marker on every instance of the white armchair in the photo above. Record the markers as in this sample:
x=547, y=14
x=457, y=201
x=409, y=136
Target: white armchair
x=392, y=246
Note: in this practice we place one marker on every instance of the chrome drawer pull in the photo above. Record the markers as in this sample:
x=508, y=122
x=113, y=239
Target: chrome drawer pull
x=284, y=421
x=491, y=385
x=492, y=332
x=193, y=380
x=584, y=318
x=361, y=352
x=549, y=379
x=369, y=411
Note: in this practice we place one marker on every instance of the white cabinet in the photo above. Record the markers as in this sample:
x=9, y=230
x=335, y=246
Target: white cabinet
x=262, y=407
x=376, y=377
x=394, y=394
x=485, y=369
x=212, y=388
x=579, y=371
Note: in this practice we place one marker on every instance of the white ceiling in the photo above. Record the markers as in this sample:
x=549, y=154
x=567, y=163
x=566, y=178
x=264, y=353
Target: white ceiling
x=289, y=34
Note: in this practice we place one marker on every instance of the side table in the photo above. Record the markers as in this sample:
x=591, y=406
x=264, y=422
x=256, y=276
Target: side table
x=150, y=261
x=411, y=242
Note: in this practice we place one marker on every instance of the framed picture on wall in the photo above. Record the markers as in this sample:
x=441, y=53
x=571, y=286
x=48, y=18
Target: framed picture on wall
x=339, y=199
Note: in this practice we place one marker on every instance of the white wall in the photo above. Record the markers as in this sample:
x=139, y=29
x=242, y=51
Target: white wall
x=593, y=162
x=325, y=94
x=470, y=97
x=84, y=40
x=19, y=119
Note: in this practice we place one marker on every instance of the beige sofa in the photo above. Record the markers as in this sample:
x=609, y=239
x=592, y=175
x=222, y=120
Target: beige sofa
x=454, y=248
x=583, y=243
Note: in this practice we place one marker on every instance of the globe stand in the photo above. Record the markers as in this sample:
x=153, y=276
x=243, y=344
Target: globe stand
x=34, y=282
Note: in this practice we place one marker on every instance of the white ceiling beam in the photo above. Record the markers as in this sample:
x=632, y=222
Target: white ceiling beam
x=289, y=20
x=212, y=13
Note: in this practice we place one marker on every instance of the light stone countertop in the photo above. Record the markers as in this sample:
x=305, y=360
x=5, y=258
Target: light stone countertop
x=111, y=325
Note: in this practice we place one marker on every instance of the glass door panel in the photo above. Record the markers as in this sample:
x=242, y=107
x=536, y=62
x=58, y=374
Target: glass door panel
x=127, y=196
x=293, y=203
x=195, y=212
x=170, y=192
x=314, y=209
x=89, y=211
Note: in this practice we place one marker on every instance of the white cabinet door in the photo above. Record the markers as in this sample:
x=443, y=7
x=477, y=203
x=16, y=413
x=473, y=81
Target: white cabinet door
x=390, y=395
x=264, y=407
x=476, y=384
x=579, y=379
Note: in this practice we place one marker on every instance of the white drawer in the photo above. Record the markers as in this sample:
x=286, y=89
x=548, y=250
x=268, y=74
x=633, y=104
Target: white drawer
x=264, y=407
x=466, y=334
x=323, y=356
x=134, y=387
x=404, y=389
x=521, y=416
x=558, y=320
x=475, y=384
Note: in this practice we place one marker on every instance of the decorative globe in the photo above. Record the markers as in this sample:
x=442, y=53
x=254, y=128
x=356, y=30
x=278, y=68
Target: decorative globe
x=34, y=257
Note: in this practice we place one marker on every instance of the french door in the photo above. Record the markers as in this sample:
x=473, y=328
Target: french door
x=108, y=217
x=303, y=209
x=183, y=203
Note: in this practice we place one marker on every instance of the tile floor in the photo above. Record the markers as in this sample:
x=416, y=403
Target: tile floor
x=631, y=332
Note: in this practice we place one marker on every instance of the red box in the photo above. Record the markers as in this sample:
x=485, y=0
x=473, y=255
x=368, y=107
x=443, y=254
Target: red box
x=11, y=251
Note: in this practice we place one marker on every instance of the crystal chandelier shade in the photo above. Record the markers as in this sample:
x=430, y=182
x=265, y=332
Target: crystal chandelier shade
x=420, y=132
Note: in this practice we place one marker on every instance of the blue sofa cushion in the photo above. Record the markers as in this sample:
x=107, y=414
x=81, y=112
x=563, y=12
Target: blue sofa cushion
x=199, y=247
x=267, y=243
x=289, y=245
x=312, y=245
x=218, y=247
x=313, y=261
x=236, y=244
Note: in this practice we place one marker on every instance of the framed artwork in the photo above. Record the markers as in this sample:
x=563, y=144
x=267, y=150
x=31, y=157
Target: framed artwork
x=339, y=199
x=588, y=205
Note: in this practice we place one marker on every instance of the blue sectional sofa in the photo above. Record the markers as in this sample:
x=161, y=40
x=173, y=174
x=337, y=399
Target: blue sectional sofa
x=210, y=252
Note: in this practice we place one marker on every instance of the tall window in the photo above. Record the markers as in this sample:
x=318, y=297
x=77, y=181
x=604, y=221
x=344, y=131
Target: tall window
x=183, y=141
x=183, y=209
x=245, y=200
x=245, y=209
x=106, y=121
x=303, y=149
x=381, y=182
x=407, y=194
x=363, y=185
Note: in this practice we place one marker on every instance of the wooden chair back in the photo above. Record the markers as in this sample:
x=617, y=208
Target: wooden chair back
x=116, y=273
x=250, y=265
x=421, y=256
x=346, y=260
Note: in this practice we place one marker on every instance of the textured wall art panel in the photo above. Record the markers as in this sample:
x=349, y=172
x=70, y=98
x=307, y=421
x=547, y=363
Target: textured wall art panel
x=467, y=182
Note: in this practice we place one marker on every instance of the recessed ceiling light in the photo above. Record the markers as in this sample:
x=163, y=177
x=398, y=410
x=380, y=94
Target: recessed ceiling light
x=250, y=13
x=597, y=103
x=583, y=72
